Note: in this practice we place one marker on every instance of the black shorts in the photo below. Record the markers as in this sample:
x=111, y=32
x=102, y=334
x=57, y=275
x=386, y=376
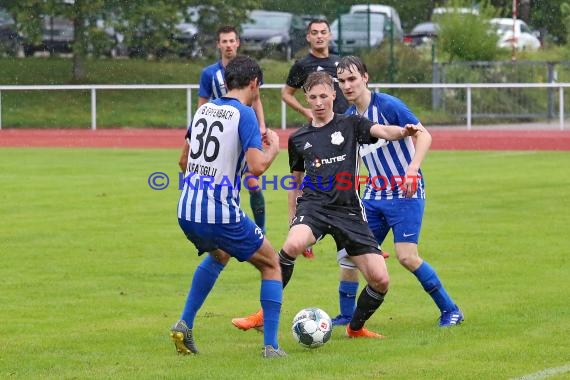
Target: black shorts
x=348, y=227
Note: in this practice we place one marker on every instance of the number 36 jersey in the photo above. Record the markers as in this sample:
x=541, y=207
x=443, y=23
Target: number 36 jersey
x=220, y=134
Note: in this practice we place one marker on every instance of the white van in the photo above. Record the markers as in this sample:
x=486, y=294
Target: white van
x=386, y=10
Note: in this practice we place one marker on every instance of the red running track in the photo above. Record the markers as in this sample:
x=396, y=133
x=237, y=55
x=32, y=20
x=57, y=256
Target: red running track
x=443, y=138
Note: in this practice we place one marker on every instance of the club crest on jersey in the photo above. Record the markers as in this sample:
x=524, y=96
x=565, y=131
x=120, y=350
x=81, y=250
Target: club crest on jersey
x=337, y=138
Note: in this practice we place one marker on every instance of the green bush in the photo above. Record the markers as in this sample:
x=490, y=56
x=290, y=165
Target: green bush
x=467, y=37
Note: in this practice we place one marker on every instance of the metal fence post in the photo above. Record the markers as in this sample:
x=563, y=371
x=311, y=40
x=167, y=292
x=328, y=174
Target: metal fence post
x=435, y=92
x=468, y=108
x=550, y=91
x=283, y=115
x=561, y=106
x=93, y=109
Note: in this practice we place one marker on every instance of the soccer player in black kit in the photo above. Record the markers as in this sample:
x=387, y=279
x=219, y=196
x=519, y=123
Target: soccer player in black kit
x=323, y=157
x=318, y=59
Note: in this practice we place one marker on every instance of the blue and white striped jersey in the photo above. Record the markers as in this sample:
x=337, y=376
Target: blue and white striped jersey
x=220, y=134
x=387, y=161
x=212, y=82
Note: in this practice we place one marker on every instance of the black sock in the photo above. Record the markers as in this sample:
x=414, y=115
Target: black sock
x=368, y=302
x=287, y=265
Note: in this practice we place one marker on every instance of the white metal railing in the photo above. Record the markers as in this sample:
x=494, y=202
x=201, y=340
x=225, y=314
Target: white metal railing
x=375, y=86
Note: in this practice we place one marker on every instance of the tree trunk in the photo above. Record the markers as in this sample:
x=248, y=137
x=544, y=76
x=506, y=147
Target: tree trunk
x=525, y=11
x=79, y=43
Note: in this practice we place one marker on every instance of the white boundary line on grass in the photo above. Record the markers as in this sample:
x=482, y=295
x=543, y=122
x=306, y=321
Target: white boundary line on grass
x=545, y=373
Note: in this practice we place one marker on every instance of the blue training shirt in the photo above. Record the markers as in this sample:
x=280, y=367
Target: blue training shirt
x=212, y=83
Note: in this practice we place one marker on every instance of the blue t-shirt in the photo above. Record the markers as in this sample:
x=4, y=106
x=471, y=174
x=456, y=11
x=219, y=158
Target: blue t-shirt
x=212, y=82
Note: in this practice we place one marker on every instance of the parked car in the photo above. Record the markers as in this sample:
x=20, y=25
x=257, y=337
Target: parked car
x=9, y=38
x=389, y=12
x=57, y=37
x=422, y=34
x=523, y=38
x=272, y=32
x=353, y=31
x=196, y=33
x=307, y=18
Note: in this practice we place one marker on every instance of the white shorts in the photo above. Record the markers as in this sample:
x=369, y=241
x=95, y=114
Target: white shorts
x=344, y=261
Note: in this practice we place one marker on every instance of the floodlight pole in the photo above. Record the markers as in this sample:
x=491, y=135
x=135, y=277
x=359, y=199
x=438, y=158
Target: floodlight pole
x=514, y=41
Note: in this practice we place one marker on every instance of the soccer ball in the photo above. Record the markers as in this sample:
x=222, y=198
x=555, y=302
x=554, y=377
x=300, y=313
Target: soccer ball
x=312, y=327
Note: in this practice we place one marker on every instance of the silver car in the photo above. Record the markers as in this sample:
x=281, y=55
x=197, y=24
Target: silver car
x=353, y=31
x=269, y=32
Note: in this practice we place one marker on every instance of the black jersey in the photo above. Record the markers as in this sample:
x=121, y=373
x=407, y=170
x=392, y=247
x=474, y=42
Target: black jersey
x=308, y=64
x=329, y=157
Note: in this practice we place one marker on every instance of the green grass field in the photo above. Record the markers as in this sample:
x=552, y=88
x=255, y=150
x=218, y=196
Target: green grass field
x=94, y=271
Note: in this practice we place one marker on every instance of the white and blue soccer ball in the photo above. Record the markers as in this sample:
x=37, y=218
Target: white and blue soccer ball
x=312, y=327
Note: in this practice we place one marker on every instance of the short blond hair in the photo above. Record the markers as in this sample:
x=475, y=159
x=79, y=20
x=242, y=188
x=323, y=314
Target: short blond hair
x=316, y=78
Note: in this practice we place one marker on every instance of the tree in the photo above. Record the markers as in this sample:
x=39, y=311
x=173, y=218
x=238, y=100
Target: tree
x=151, y=23
x=545, y=15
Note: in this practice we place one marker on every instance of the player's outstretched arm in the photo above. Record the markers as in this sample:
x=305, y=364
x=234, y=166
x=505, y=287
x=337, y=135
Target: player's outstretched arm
x=391, y=132
x=258, y=161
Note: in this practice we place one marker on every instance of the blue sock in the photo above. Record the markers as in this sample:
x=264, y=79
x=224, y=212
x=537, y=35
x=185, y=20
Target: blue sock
x=203, y=281
x=347, y=297
x=257, y=203
x=271, y=297
x=433, y=286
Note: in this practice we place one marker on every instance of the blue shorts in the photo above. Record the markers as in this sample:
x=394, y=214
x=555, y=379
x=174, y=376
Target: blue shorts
x=240, y=240
x=402, y=215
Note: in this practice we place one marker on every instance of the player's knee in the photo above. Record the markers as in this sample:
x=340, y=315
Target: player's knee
x=274, y=266
x=381, y=283
x=348, y=274
x=271, y=265
x=221, y=257
x=294, y=247
x=409, y=260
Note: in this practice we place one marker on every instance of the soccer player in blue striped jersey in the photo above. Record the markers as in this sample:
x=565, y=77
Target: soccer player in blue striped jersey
x=213, y=86
x=394, y=197
x=224, y=143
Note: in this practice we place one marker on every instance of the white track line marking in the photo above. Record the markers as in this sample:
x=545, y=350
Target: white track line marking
x=545, y=373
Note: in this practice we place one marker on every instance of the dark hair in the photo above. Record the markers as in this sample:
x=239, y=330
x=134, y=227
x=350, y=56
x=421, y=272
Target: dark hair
x=227, y=29
x=240, y=71
x=318, y=77
x=346, y=62
x=317, y=21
